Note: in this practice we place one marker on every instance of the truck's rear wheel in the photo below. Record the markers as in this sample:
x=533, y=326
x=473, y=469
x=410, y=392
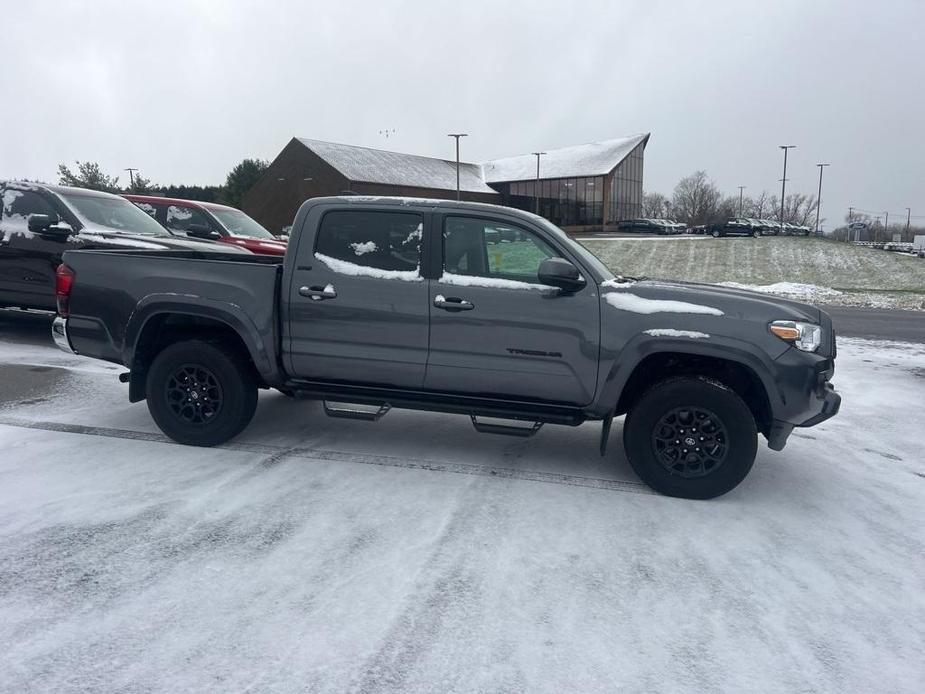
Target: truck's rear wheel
x=201, y=394
x=690, y=437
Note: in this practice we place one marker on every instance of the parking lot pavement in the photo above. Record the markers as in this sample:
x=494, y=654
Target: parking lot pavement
x=416, y=555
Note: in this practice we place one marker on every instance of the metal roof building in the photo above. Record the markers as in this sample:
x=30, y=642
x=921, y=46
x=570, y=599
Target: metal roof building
x=581, y=188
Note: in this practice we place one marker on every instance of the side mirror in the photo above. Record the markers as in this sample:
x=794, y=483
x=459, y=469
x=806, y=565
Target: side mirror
x=202, y=231
x=558, y=272
x=49, y=225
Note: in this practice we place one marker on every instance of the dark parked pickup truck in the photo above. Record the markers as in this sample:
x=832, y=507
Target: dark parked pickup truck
x=39, y=222
x=456, y=307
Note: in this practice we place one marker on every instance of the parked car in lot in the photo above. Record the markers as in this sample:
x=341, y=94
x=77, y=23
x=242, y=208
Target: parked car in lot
x=209, y=220
x=647, y=226
x=675, y=227
x=398, y=302
x=39, y=222
x=739, y=226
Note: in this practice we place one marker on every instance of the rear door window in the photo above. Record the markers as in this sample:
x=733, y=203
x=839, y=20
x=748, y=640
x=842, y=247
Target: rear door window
x=371, y=243
x=180, y=218
x=19, y=205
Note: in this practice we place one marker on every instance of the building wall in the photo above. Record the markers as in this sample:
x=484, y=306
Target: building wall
x=577, y=204
x=625, y=188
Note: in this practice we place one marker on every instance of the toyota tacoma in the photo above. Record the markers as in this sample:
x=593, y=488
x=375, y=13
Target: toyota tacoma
x=457, y=307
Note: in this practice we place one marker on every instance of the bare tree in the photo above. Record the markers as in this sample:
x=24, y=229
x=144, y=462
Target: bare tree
x=695, y=199
x=799, y=209
x=655, y=206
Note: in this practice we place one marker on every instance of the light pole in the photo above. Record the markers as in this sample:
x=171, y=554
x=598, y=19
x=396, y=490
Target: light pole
x=783, y=186
x=908, y=220
x=819, y=196
x=457, y=136
x=741, y=188
x=886, y=226
x=536, y=196
x=131, y=177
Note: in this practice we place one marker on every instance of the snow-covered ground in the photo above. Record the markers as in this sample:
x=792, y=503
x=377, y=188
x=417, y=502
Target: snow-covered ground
x=812, y=269
x=415, y=555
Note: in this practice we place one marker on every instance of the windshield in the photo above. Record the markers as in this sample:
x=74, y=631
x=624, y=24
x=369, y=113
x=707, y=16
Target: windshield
x=579, y=250
x=116, y=214
x=239, y=224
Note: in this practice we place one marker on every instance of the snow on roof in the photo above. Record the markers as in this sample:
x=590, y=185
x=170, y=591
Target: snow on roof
x=363, y=164
x=592, y=159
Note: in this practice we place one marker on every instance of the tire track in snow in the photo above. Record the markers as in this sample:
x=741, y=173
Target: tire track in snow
x=279, y=453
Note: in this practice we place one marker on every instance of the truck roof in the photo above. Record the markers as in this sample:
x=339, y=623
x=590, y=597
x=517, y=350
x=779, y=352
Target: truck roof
x=61, y=190
x=399, y=201
x=186, y=201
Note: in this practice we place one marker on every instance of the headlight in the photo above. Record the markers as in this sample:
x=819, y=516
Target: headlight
x=804, y=336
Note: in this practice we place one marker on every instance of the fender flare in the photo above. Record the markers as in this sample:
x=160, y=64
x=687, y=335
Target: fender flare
x=232, y=315
x=717, y=346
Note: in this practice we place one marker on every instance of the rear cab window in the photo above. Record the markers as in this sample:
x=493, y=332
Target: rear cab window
x=386, y=245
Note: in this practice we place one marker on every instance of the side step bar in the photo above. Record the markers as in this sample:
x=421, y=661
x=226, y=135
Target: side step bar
x=367, y=413
x=505, y=429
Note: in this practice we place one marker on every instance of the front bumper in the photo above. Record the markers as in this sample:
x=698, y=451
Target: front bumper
x=59, y=335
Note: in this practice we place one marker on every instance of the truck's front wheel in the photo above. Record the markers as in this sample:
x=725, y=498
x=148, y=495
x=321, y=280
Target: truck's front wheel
x=200, y=394
x=690, y=437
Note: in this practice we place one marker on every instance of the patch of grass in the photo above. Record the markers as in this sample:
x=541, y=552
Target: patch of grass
x=766, y=261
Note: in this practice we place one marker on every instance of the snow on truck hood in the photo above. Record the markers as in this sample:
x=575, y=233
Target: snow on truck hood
x=658, y=296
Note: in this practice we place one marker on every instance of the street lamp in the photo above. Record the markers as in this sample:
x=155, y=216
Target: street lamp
x=457, y=136
x=783, y=186
x=536, y=193
x=741, y=188
x=819, y=196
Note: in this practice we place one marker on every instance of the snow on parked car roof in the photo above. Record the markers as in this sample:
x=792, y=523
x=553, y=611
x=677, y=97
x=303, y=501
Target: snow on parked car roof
x=364, y=164
x=592, y=159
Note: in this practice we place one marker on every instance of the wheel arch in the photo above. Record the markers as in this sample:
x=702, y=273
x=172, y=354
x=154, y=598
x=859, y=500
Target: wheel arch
x=157, y=324
x=650, y=361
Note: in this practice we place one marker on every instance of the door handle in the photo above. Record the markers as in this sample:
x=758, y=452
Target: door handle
x=318, y=293
x=453, y=303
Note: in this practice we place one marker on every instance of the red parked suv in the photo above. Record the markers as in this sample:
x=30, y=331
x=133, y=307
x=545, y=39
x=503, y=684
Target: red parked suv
x=209, y=220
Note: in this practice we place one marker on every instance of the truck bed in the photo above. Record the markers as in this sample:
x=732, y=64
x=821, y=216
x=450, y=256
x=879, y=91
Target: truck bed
x=127, y=288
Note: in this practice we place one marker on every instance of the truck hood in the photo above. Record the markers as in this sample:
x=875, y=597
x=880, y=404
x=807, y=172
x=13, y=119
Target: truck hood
x=731, y=301
x=160, y=243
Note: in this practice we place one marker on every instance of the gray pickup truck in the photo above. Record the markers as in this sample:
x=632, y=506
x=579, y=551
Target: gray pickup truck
x=455, y=307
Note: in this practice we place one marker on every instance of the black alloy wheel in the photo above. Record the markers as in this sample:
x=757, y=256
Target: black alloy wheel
x=690, y=442
x=194, y=394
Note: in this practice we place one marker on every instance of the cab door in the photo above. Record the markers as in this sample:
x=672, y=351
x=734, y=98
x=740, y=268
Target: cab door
x=28, y=260
x=495, y=331
x=357, y=309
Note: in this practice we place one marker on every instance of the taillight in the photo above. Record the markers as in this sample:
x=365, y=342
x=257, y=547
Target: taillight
x=64, y=280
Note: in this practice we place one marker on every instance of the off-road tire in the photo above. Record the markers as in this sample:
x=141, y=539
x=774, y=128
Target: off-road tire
x=658, y=403
x=210, y=372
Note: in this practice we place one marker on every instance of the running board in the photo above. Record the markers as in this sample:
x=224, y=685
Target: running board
x=505, y=429
x=367, y=413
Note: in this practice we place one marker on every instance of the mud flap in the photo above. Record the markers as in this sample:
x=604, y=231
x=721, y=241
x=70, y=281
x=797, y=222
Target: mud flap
x=605, y=432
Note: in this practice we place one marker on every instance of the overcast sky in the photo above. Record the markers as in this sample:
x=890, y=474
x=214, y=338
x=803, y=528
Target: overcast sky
x=184, y=90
